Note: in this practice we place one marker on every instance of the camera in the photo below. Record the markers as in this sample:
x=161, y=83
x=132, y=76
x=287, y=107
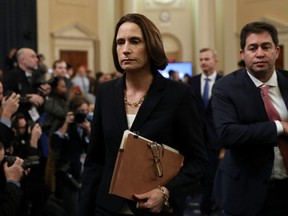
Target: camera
x=79, y=117
x=45, y=126
x=24, y=101
x=30, y=162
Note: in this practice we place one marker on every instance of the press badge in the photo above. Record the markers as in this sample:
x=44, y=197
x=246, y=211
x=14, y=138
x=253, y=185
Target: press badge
x=34, y=113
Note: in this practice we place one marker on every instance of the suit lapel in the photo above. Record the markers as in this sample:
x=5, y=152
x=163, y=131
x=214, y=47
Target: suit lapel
x=282, y=81
x=118, y=104
x=253, y=93
x=154, y=95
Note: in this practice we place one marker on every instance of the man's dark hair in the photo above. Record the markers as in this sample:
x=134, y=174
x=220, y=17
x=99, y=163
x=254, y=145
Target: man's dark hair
x=257, y=28
x=76, y=102
x=54, y=65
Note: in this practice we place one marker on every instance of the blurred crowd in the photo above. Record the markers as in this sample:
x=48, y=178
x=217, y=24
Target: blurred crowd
x=45, y=117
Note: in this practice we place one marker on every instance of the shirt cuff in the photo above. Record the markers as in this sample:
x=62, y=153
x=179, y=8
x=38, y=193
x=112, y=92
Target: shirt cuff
x=6, y=121
x=279, y=127
x=63, y=136
x=14, y=182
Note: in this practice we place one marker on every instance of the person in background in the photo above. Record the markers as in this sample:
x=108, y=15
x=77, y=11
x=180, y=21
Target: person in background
x=186, y=78
x=11, y=61
x=19, y=81
x=56, y=108
x=174, y=75
x=70, y=71
x=202, y=89
x=60, y=70
x=40, y=75
x=8, y=107
x=56, y=105
x=69, y=144
x=252, y=179
x=81, y=80
x=241, y=64
x=157, y=108
x=11, y=195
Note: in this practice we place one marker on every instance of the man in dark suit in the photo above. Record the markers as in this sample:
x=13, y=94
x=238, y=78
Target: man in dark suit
x=208, y=62
x=252, y=178
x=20, y=81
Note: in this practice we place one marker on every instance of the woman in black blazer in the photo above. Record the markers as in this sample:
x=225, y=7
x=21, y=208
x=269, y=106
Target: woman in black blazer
x=159, y=109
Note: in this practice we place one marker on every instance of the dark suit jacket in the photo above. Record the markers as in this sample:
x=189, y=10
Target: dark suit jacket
x=168, y=115
x=17, y=82
x=10, y=200
x=209, y=132
x=249, y=137
x=6, y=135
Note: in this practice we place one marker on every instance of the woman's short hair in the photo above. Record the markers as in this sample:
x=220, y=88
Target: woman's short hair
x=152, y=38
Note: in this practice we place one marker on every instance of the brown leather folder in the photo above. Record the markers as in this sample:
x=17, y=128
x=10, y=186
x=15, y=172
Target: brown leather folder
x=143, y=165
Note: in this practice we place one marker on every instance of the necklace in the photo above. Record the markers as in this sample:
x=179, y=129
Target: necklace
x=134, y=104
x=137, y=103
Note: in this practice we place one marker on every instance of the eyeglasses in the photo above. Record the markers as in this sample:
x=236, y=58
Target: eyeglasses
x=156, y=152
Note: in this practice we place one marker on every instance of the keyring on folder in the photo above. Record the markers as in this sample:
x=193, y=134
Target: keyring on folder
x=156, y=152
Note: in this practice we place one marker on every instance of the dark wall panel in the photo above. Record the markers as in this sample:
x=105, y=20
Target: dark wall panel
x=18, y=27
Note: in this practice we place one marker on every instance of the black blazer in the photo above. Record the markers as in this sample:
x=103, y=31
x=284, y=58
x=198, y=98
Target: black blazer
x=168, y=115
x=241, y=121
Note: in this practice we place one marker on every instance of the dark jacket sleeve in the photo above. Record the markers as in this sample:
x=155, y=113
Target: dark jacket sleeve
x=10, y=200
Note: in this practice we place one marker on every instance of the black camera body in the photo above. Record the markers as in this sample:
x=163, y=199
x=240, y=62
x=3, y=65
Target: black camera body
x=79, y=117
x=24, y=101
x=30, y=162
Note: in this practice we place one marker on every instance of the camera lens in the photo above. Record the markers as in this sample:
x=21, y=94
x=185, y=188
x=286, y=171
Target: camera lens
x=79, y=117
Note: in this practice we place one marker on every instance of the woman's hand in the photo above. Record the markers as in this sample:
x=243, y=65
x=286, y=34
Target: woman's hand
x=153, y=200
x=86, y=125
x=10, y=105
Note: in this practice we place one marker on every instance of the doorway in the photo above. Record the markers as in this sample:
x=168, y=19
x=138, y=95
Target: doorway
x=75, y=58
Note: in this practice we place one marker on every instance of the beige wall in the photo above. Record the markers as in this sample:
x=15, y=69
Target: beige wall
x=189, y=26
x=273, y=11
x=253, y=10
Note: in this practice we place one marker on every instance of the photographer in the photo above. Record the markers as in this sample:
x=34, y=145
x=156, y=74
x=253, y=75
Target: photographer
x=69, y=143
x=26, y=145
x=8, y=106
x=10, y=192
x=26, y=136
x=20, y=80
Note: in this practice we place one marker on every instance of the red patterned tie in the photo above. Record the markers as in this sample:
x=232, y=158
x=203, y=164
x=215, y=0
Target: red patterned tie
x=274, y=115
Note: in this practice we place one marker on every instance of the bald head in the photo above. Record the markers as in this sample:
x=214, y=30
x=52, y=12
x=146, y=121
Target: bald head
x=27, y=59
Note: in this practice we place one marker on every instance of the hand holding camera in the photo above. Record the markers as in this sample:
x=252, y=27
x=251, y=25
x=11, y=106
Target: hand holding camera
x=69, y=118
x=36, y=99
x=10, y=105
x=35, y=135
x=14, y=172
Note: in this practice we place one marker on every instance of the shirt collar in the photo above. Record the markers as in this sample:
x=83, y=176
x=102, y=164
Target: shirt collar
x=271, y=82
x=211, y=77
x=27, y=74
